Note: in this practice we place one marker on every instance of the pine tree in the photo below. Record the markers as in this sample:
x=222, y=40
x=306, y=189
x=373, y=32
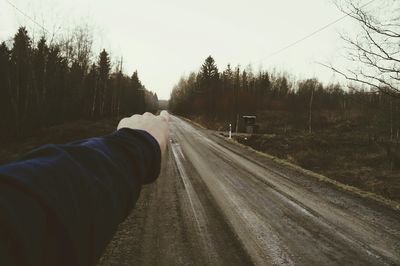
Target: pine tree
x=56, y=85
x=209, y=84
x=103, y=90
x=138, y=94
x=39, y=68
x=6, y=110
x=21, y=68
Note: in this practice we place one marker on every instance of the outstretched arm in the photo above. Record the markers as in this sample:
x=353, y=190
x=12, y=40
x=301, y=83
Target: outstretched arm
x=61, y=204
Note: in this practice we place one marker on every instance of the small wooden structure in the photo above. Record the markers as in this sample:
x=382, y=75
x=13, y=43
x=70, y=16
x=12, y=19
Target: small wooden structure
x=249, y=124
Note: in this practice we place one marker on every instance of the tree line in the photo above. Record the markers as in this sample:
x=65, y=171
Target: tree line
x=46, y=82
x=307, y=104
x=370, y=102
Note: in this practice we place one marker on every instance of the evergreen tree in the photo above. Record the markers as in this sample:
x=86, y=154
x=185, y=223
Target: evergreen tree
x=39, y=67
x=21, y=70
x=56, y=85
x=209, y=84
x=104, y=66
x=138, y=93
x=6, y=110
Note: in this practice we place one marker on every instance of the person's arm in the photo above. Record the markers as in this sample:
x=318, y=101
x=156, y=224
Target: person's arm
x=61, y=204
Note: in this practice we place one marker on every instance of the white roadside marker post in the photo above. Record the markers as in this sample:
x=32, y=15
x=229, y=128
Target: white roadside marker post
x=230, y=131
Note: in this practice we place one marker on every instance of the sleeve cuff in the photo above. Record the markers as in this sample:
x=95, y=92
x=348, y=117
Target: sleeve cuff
x=151, y=151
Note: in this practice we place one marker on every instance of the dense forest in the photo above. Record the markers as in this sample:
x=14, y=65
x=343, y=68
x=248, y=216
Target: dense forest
x=46, y=82
x=306, y=105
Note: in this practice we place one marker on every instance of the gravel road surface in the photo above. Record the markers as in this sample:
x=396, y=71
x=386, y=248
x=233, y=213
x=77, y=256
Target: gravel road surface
x=217, y=203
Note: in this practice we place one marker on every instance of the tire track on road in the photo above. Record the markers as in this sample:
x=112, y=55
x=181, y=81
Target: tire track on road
x=196, y=206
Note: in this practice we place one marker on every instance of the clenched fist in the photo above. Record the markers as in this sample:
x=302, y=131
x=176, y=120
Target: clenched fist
x=157, y=126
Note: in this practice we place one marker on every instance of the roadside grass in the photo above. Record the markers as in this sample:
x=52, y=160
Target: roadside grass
x=59, y=134
x=393, y=203
x=343, y=157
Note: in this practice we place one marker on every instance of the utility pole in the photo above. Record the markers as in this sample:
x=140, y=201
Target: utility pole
x=236, y=92
x=310, y=112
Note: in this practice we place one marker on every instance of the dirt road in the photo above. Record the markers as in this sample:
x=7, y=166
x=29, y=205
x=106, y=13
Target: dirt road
x=217, y=203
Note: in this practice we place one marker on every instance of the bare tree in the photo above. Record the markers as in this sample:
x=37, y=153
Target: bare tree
x=375, y=51
x=77, y=46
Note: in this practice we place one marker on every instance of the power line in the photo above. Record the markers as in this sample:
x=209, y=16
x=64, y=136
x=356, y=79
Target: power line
x=312, y=33
x=265, y=58
x=27, y=16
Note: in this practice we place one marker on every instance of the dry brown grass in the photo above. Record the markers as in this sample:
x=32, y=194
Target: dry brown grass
x=343, y=157
x=76, y=130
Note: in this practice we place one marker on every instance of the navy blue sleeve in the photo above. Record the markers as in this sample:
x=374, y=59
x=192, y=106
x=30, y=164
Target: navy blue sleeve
x=61, y=204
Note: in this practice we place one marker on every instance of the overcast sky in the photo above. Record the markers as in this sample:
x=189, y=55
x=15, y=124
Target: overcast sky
x=164, y=39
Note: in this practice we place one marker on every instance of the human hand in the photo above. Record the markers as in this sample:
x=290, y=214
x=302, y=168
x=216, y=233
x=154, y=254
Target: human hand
x=157, y=126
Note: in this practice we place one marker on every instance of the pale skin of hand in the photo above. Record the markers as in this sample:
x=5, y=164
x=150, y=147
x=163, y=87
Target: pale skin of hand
x=157, y=126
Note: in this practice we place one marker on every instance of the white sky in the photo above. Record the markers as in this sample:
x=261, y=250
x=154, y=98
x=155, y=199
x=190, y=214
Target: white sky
x=164, y=39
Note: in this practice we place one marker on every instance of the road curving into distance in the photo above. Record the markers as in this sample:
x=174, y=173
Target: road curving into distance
x=216, y=203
